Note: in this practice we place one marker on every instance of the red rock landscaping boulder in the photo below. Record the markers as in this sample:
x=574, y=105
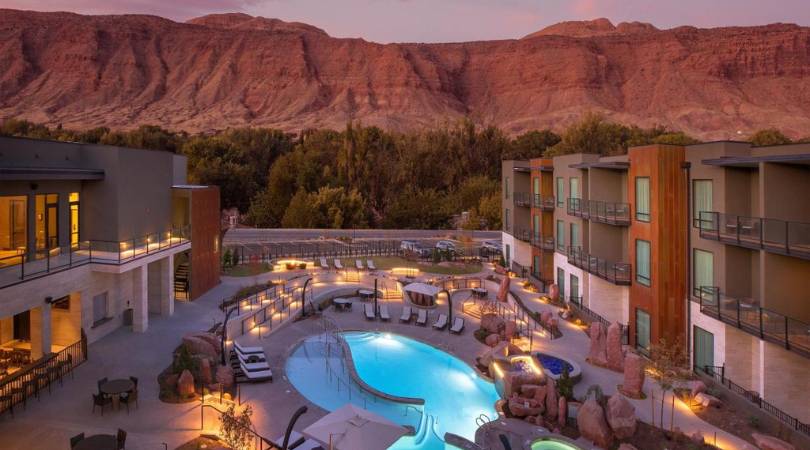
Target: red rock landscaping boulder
x=598, y=352
x=185, y=384
x=492, y=340
x=551, y=399
x=562, y=412
x=592, y=424
x=696, y=387
x=621, y=416
x=633, y=383
x=197, y=346
x=225, y=376
x=766, y=442
x=615, y=353
x=492, y=323
x=509, y=330
x=707, y=400
x=206, y=375
x=521, y=407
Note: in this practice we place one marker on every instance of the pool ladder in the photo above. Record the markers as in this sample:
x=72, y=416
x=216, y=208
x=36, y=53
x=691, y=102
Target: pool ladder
x=482, y=420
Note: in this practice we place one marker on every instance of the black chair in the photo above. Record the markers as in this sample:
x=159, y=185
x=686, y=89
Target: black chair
x=100, y=383
x=101, y=401
x=129, y=398
x=134, y=381
x=65, y=366
x=76, y=439
x=121, y=439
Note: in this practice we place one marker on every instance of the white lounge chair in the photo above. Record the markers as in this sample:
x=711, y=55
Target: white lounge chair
x=324, y=264
x=358, y=264
x=338, y=264
x=458, y=325
x=370, y=265
x=421, y=318
x=441, y=322
x=384, y=313
x=249, y=357
x=369, y=311
x=406, y=314
x=247, y=350
x=256, y=373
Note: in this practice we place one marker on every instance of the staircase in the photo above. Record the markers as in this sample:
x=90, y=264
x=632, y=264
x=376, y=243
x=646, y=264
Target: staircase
x=181, y=282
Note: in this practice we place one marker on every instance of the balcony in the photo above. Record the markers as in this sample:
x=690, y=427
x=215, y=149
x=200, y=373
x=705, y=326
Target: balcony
x=773, y=235
x=544, y=203
x=748, y=316
x=522, y=199
x=616, y=273
x=522, y=234
x=544, y=242
x=600, y=211
x=19, y=268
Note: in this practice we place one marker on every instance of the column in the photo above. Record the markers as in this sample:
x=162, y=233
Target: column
x=140, y=299
x=167, y=286
x=40, y=331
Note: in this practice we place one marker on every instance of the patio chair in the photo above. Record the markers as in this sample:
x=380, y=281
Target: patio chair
x=406, y=314
x=76, y=439
x=370, y=265
x=247, y=350
x=100, y=383
x=384, y=313
x=338, y=264
x=458, y=325
x=324, y=264
x=134, y=381
x=441, y=322
x=421, y=318
x=369, y=311
x=358, y=264
x=129, y=398
x=121, y=440
x=101, y=401
x=256, y=374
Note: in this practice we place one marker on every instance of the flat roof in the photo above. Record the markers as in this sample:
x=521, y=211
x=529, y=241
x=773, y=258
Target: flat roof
x=190, y=186
x=753, y=161
x=49, y=173
x=614, y=165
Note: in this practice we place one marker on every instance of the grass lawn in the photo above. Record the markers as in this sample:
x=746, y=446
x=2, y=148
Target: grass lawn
x=389, y=262
x=246, y=270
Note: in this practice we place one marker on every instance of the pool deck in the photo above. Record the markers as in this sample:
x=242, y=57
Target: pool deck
x=50, y=422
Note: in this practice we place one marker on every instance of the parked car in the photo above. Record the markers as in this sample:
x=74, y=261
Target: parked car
x=494, y=246
x=408, y=246
x=446, y=245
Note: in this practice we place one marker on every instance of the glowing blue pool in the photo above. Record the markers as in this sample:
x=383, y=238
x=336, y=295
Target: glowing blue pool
x=454, y=394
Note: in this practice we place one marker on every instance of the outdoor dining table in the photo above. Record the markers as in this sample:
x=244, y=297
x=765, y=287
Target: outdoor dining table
x=343, y=303
x=479, y=292
x=117, y=387
x=97, y=442
x=366, y=294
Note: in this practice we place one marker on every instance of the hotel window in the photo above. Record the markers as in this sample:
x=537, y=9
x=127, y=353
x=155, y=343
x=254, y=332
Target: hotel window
x=702, y=203
x=506, y=187
x=573, y=187
x=560, y=235
x=575, y=241
x=536, y=266
x=643, y=262
x=13, y=229
x=506, y=219
x=560, y=192
x=62, y=303
x=536, y=186
x=643, y=331
x=73, y=203
x=561, y=282
x=703, y=276
x=574, y=288
x=536, y=226
x=643, y=199
x=100, y=309
x=47, y=223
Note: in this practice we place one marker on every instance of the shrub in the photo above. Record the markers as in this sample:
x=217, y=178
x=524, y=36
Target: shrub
x=302, y=266
x=183, y=361
x=235, y=429
x=481, y=334
x=565, y=385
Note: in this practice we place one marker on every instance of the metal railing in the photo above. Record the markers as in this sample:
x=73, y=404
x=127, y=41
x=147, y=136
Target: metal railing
x=32, y=379
x=774, y=235
x=23, y=267
x=522, y=199
x=616, y=273
x=522, y=234
x=610, y=213
x=544, y=242
x=544, y=203
x=718, y=374
x=266, y=252
x=589, y=316
x=747, y=315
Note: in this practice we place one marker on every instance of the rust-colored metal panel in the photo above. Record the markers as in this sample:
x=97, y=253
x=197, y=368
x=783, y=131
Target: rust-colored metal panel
x=205, y=240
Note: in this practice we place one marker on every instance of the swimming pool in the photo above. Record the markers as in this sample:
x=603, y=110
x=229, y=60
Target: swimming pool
x=454, y=394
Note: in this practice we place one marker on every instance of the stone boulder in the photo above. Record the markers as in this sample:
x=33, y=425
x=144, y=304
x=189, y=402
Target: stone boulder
x=562, y=412
x=615, y=353
x=198, y=346
x=509, y=330
x=592, y=424
x=621, y=416
x=521, y=407
x=530, y=390
x=707, y=400
x=696, y=387
x=503, y=289
x=554, y=292
x=492, y=323
x=185, y=384
x=697, y=437
x=598, y=351
x=513, y=382
x=492, y=340
x=766, y=442
x=633, y=383
x=211, y=338
x=540, y=394
x=551, y=399
x=206, y=375
x=535, y=420
x=545, y=317
x=225, y=377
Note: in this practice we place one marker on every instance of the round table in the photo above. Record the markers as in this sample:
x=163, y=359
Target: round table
x=366, y=294
x=343, y=303
x=117, y=387
x=479, y=292
x=97, y=442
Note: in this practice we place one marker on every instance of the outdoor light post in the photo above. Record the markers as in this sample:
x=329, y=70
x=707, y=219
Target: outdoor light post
x=375, y=296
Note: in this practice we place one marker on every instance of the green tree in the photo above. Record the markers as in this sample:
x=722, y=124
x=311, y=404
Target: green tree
x=300, y=213
x=592, y=134
x=532, y=144
x=770, y=136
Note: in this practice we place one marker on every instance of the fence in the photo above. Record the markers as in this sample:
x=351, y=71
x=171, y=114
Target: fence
x=718, y=374
x=34, y=378
x=242, y=254
x=590, y=316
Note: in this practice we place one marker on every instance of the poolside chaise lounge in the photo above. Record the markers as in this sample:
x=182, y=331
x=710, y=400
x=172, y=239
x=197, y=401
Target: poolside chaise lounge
x=324, y=264
x=441, y=322
x=256, y=373
x=370, y=265
x=369, y=311
x=246, y=350
x=406, y=314
x=421, y=319
x=247, y=357
x=338, y=264
x=358, y=264
x=384, y=313
x=458, y=325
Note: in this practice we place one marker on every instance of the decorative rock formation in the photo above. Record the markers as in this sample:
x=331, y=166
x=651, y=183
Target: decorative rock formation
x=503, y=289
x=509, y=330
x=621, y=415
x=766, y=442
x=492, y=323
x=185, y=384
x=513, y=382
x=492, y=340
x=522, y=407
x=697, y=387
x=592, y=424
x=598, y=352
x=707, y=400
x=615, y=353
x=530, y=390
x=198, y=346
x=206, y=377
x=502, y=350
x=562, y=412
x=225, y=376
x=697, y=437
x=554, y=292
x=551, y=399
x=211, y=338
x=545, y=317
x=633, y=384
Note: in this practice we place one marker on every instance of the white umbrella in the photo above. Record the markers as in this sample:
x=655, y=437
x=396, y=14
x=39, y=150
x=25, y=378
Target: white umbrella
x=353, y=428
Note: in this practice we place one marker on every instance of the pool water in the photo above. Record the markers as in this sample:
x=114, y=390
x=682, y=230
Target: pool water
x=553, y=364
x=454, y=394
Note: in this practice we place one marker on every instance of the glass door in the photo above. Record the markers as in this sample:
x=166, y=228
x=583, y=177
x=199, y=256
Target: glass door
x=74, y=219
x=561, y=282
x=575, y=289
x=643, y=331
x=704, y=348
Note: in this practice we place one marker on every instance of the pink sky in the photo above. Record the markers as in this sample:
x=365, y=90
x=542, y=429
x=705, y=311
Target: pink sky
x=450, y=20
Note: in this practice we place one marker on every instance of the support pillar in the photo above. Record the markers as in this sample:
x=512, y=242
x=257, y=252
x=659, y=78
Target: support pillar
x=167, y=286
x=40, y=331
x=140, y=299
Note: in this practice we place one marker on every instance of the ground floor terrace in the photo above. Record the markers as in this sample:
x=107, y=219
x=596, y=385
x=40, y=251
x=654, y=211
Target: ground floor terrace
x=67, y=410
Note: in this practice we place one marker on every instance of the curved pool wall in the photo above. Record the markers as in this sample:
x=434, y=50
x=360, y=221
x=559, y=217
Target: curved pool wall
x=454, y=395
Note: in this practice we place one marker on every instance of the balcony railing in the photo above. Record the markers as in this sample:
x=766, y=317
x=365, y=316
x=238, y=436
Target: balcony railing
x=522, y=199
x=748, y=316
x=616, y=273
x=774, y=235
x=523, y=234
x=544, y=242
x=589, y=316
x=23, y=267
x=544, y=203
x=600, y=211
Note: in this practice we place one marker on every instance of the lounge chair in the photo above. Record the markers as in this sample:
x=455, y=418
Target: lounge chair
x=254, y=373
x=369, y=311
x=458, y=325
x=384, y=313
x=370, y=265
x=441, y=322
x=338, y=264
x=406, y=314
x=249, y=358
x=324, y=264
x=358, y=264
x=247, y=350
x=421, y=318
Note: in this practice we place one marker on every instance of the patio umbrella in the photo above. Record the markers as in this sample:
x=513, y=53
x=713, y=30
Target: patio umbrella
x=353, y=428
